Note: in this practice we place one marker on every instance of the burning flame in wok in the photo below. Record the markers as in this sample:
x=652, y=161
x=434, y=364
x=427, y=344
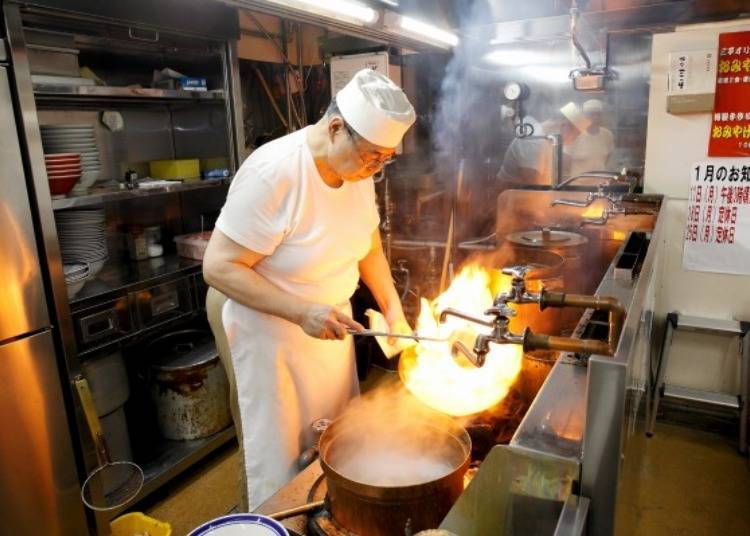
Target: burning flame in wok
x=431, y=373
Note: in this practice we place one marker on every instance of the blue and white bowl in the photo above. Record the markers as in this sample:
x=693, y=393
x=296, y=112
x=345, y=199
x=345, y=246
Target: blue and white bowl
x=241, y=525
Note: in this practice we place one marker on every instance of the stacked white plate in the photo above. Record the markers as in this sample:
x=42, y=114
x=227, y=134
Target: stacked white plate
x=76, y=274
x=83, y=238
x=74, y=138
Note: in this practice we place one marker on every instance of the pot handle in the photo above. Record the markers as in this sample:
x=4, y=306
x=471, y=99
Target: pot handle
x=92, y=419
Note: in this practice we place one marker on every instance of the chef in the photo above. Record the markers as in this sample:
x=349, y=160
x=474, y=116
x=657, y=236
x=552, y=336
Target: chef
x=298, y=230
x=529, y=160
x=592, y=149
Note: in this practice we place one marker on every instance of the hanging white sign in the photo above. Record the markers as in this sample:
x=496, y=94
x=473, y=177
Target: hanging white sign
x=717, y=228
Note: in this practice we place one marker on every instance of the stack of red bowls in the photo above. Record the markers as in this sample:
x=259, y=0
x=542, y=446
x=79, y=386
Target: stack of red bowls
x=63, y=171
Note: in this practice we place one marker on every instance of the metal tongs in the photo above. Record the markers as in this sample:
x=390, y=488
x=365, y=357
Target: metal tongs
x=414, y=336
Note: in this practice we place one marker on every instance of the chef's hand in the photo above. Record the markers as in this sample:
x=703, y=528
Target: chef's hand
x=397, y=324
x=327, y=322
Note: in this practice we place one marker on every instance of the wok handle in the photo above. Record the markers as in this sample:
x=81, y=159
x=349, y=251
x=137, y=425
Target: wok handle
x=298, y=510
x=92, y=419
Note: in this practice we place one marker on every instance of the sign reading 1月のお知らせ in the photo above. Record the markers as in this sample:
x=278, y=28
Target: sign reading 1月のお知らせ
x=717, y=228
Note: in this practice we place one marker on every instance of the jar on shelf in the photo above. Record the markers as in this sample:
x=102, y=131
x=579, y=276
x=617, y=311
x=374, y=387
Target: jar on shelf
x=137, y=243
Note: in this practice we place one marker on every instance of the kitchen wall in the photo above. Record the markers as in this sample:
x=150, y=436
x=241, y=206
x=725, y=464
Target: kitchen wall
x=674, y=143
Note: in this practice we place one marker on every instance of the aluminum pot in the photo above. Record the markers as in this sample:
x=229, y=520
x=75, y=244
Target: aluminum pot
x=188, y=385
x=370, y=508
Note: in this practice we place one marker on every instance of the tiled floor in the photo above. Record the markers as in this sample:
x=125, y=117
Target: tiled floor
x=684, y=482
x=206, y=492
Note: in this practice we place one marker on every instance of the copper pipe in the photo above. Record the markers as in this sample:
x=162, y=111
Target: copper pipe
x=560, y=299
x=535, y=341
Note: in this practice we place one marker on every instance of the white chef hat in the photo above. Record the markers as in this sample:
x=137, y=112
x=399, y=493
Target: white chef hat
x=376, y=108
x=593, y=105
x=572, y=113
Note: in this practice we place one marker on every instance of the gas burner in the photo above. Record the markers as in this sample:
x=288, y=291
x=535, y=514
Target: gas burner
x=322, y=524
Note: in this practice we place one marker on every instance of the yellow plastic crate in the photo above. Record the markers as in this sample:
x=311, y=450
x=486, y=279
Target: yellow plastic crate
x=139, y=524
x=185, y=169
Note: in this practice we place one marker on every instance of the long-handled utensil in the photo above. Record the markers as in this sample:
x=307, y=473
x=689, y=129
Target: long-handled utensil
x=415, y=337
x=112, y=484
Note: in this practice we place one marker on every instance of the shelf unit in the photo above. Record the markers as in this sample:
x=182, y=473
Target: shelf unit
x=159, y=124
x=121, y=276
x=45, y=92
x=99, y=196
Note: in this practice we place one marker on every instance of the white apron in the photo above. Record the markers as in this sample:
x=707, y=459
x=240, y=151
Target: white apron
x=313, y=236
x=285, y=381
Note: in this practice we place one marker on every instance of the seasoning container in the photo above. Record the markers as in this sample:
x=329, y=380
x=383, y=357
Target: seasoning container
x=137, y=243
x=153, y=237
x=188, y=385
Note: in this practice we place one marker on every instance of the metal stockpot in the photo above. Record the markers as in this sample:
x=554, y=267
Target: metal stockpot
x=378, y=510
x=188, y=385
x=572, y=247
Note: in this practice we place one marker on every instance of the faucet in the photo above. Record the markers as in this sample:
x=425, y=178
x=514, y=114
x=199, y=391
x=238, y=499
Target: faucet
x=518, y=294
x=614, y=200
x=624, y=176
x=500, y=333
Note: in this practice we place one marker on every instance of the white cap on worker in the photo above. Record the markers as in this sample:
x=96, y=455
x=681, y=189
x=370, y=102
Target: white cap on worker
x=376, y=108
x=572, y=113
x=593, y=105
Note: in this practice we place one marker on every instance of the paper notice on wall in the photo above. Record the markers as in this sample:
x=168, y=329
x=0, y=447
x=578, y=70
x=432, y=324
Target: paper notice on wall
x=730, y=127
x=717, y=228
x=343, y=68
x=691, y=72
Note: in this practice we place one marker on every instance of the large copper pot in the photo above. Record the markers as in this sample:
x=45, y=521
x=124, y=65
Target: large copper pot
x=369, y=506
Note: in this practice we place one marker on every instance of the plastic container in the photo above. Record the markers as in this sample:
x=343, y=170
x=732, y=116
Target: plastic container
x=186, y=169
x=137, y=523
x=192, y=246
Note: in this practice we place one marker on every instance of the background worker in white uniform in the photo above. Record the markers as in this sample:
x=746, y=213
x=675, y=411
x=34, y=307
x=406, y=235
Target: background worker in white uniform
x=593, y=148
x=529, y=160
x=298, y=230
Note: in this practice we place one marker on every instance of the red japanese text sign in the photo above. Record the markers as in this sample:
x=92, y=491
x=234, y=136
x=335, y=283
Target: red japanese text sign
x=730, y=128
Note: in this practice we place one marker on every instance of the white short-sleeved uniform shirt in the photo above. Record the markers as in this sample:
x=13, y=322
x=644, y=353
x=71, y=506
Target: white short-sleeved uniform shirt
x=313, y=235
x=591, y=152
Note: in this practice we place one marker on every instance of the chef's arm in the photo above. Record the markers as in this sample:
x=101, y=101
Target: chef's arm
x=376, y=274
x=228, y=267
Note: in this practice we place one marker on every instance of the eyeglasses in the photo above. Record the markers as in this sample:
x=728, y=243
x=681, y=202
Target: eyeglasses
x=370, y=159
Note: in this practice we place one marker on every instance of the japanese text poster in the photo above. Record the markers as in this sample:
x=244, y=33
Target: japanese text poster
x=717, y=230
x=730, y=128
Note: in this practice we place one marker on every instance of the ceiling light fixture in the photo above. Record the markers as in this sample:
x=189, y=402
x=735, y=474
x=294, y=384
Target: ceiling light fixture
x=419, y=30
x=342, y=10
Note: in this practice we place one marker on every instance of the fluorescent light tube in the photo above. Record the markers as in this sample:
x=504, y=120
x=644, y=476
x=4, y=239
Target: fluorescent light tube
x=428, y=31
x=343, y=10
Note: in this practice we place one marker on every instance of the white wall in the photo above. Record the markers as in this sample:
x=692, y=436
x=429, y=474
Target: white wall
x=674, y=143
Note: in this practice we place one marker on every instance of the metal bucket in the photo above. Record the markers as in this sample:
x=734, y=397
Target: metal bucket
x=189, y=386
x=363, y=505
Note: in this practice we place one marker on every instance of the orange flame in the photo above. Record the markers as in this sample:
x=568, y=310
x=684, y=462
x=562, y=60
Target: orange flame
x=593, y=211
x=434, y=376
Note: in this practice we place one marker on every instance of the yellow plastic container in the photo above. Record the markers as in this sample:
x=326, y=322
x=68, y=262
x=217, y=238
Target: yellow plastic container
x=186, y=169
x=139, y=524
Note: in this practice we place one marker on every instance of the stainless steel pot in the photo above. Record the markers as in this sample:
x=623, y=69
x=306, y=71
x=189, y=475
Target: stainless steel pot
x=368, y=505
x=188, y=385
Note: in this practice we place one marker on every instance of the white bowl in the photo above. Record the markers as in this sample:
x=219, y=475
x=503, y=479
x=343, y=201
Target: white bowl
x=74, y=288
x=241, y=525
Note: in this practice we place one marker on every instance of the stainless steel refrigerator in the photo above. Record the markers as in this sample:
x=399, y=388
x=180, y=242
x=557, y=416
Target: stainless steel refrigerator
x=39, y=484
